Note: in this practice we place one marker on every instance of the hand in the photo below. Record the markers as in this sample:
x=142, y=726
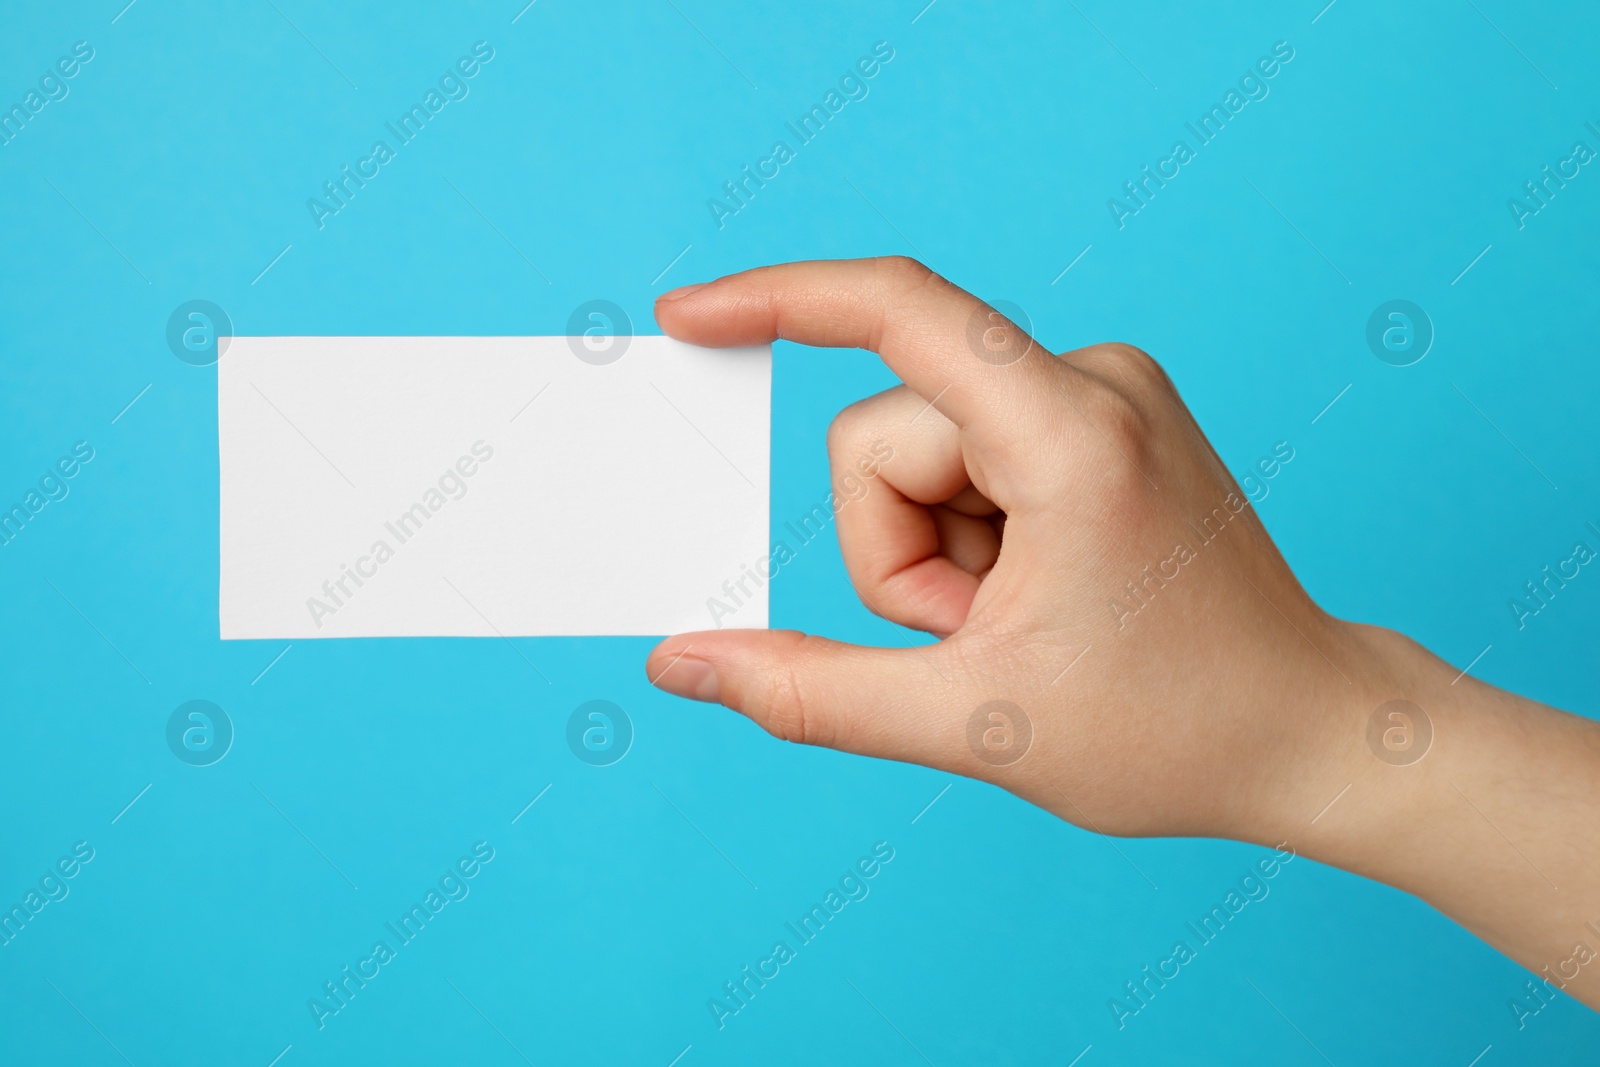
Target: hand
x=1121, y=642
x=1064, y=525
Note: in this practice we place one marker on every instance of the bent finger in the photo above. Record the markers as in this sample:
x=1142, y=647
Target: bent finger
x=894, y=460
x=979, y=369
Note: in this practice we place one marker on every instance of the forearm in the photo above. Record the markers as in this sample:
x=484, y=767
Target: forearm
x=1497, y=824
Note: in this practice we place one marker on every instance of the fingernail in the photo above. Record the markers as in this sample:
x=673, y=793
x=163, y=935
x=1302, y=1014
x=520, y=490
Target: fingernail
x=681, y=292
x=692, y=678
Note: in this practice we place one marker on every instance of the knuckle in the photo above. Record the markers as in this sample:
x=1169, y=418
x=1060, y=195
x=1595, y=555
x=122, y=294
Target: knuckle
x=1120, y=417
x=846, y=428
x=904, y=274
x=861, y=431
x=788, y=708
x=1135, y=368
x=1125, y=433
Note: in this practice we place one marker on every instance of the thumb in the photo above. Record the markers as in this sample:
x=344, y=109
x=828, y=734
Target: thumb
x=872, y=701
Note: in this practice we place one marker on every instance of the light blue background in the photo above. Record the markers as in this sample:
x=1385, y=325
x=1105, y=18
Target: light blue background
x=988, y=147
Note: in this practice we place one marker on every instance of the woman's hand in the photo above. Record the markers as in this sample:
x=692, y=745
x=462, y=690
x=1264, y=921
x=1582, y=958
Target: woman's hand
x=1063, y=524
x=1121, y=642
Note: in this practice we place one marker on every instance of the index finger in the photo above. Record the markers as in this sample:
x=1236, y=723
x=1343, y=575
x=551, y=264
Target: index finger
x=974, y=365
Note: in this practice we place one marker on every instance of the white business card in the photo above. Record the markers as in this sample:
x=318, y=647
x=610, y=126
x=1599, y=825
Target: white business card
x=488, y=486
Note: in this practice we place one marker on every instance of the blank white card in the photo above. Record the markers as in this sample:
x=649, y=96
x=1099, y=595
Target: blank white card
x=489, y=486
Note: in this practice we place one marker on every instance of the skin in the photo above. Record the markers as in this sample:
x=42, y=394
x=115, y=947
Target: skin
x=1023, y=492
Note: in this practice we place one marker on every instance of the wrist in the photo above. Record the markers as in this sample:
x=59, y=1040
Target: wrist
x=1358, y=737
x=1468, y=797
x=1387, y=783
